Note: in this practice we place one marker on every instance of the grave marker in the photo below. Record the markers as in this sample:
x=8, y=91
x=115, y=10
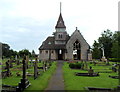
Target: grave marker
x=27, y=60
x=103, y=55
x=16, y=58
x=10, y=63
x=35, y=69
x=18, y=62
x=24, y=81
x=8, y=68
x=90, y=71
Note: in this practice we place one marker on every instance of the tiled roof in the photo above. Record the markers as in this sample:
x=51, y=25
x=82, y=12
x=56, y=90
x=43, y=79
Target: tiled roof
x=49, y=43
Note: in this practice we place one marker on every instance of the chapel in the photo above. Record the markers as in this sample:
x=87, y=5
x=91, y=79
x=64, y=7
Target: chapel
x=61, y=46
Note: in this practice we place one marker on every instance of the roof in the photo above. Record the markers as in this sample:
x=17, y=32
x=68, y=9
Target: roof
x=60, y=22
x=49, y=43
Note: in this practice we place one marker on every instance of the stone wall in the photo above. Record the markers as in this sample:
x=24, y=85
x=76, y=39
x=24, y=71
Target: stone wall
x=53, y=55
x=44, y=54
x=89, y=56
x=84, y=46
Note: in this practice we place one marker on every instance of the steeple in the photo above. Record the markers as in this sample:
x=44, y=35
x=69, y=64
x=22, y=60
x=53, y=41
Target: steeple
x=60, y=22
x=60, y=34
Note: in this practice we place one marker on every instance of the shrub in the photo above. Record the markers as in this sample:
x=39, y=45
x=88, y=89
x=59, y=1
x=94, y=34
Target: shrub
x=71, y=65
x=78, y=66
x=75, y=65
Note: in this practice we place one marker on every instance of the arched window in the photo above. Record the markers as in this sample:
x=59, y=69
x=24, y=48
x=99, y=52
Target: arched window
x=76, y=50
x=60, y=36
x=76, y=45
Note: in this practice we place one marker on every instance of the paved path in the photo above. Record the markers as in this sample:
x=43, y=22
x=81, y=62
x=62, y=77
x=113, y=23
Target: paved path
x=56, y=82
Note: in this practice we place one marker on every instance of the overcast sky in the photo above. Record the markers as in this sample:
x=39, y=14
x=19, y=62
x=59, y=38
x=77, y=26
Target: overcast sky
x=27, y=23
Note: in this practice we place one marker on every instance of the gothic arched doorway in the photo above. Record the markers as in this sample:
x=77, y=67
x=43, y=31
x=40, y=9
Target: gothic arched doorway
x=76, y=50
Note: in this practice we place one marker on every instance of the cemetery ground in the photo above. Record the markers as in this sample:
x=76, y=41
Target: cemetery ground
x=40, y=83
x=71, y=81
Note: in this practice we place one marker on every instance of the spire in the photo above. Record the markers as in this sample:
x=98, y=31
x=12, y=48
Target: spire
x=60, y=22
x=60, y=7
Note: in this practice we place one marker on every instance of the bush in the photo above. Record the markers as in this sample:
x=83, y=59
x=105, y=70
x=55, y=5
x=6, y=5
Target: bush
x=71, y=65
x=78, y=66
x=75, y=65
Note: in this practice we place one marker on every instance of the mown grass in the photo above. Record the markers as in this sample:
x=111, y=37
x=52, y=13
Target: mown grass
x=42, y=81
x=38, y=84
x=73, y=82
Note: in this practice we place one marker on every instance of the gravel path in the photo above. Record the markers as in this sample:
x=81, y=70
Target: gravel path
x=56, y=82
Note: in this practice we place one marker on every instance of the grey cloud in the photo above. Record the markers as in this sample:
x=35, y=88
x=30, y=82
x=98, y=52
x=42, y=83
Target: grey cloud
x=33, y=32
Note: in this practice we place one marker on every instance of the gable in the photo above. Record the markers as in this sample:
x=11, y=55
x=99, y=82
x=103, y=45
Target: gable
x=77, y=36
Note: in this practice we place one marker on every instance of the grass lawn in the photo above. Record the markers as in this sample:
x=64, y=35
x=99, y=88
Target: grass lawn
x=42, y=81
x=38, y=84
x=73, y=82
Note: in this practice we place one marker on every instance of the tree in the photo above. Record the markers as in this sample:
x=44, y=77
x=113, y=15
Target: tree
x=13, y=53
x=33, y=53
x=24, y=52
x=5, y=50
x=96, y=52
x=116, y=45
x=106, y=41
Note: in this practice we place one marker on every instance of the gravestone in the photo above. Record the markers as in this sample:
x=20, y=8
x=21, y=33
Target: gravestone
x=10, y=63
x=45, y=66
x=8, y=68
x=24, y=81
x=90, y=71
x=18, y=62
x=27, y=60
x=16, y=58
x=35, y=69
x=114, y=69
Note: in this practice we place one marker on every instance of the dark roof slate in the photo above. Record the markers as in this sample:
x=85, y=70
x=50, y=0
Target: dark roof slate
x=60, y=22
x=49, y=43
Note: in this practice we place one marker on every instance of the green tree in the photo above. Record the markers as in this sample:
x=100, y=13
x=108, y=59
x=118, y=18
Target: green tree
x=96, y=52
x=5, y=50
x=116, y=45
x=106, y=41
x=13, y=53
x=24, y=52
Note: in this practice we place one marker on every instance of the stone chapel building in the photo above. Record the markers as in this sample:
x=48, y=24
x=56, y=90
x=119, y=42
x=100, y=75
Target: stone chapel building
x=61, y=46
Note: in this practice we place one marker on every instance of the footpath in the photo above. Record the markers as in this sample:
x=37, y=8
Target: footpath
x=56, y=82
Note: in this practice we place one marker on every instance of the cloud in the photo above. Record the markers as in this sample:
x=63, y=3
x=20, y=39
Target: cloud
x=27, y=23
x=23, y=32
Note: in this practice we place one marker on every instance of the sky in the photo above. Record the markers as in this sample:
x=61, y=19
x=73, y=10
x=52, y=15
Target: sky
x=25, y=24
